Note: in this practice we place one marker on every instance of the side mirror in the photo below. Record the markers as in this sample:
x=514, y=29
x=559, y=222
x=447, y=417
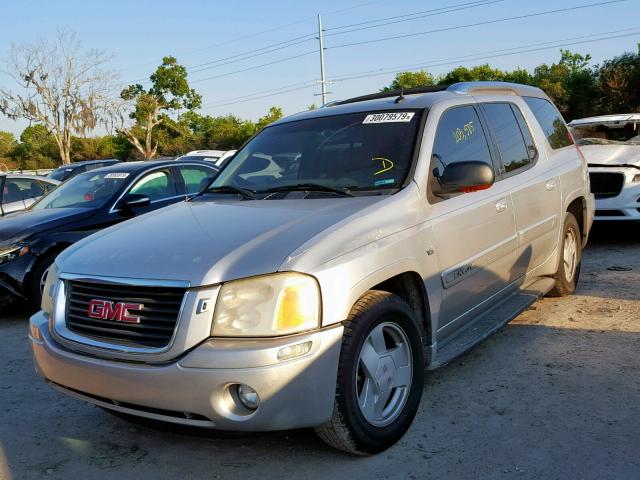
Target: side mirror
x=134, y=200
x=465, y=177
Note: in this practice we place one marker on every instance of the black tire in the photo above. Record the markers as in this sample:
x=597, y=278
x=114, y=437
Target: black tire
x=564, y=285
x=348, y=429
x=34, y=295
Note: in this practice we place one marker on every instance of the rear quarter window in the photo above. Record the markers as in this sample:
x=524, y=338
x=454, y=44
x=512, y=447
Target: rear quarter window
x=551, y=122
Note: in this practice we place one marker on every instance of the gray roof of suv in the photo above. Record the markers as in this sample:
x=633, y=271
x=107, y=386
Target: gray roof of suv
x=417, y=100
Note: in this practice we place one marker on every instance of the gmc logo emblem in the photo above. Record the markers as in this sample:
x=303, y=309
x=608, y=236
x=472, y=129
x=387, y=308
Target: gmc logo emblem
x=118, y=312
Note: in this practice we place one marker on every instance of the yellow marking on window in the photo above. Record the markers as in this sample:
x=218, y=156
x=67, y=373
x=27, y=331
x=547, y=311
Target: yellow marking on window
x=463, y=134
x=386, y=164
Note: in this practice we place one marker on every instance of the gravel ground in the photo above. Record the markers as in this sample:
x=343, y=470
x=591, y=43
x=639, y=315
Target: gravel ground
x=554, y=395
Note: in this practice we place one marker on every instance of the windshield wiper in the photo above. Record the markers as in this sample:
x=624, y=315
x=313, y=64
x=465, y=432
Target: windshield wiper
x=244, y=192
x=310, y=187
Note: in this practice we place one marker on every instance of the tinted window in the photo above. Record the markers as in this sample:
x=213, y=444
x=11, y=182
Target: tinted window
x=459, y=138
x=551, y=122
x=21, y=189
x=61, y=174
x=47, y=187
x=532, y=150
x=504, y=125
x=360, y=151
x=194, y=178
x=155, y=185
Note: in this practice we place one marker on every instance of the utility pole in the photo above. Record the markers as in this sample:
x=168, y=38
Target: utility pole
x=323, y=81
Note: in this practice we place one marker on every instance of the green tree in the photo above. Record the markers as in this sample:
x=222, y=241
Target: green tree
x=407, y=80
x=275, y=113
x=37, y=148
x=169, y=92
x=8, y=144
x=619, y=83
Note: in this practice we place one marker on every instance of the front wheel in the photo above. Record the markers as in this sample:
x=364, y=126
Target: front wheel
x=380, y=376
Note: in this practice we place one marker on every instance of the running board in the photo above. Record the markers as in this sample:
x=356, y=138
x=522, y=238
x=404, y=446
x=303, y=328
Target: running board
x=492, y=321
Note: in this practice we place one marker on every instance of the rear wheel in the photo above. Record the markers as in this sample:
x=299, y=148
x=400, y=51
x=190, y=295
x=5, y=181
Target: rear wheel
x=568, y=271
x=380, y=376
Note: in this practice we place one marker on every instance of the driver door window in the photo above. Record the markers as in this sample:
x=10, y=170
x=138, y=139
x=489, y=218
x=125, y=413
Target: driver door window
x=156, y=185
x=460, y=138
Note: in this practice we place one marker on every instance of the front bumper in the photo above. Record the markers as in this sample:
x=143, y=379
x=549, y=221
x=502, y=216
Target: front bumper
x=625, y=205
x=193, y=390
x=13, y=275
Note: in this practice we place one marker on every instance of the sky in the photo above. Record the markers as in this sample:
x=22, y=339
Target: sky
x=209, y=37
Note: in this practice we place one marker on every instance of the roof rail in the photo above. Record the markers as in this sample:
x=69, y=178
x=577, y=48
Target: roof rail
x=475, y=88
x=392, y=93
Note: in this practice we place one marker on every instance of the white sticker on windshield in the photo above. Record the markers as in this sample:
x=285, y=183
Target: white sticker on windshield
x=116, y=175
x=389, y=117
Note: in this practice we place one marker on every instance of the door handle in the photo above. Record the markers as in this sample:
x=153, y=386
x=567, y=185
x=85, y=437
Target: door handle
x=550, y=185
x=501, y=205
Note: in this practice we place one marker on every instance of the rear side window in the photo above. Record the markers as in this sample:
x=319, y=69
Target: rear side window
x=459, y=138
x=195, y=178
x=506, y=129
x=551, y=122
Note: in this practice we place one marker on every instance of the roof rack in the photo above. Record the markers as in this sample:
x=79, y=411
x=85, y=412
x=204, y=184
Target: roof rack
x=474, y=88
x=465, y=88
x=392, y=93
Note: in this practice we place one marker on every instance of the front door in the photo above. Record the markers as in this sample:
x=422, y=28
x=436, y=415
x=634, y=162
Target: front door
x=474, y=232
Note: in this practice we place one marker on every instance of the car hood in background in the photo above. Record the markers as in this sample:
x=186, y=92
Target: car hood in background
x=611, y=155
x=208, y=242
x=29, y=222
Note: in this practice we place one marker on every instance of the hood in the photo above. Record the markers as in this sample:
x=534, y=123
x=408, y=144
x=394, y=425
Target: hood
x=611, y=155
x=208, y=242
x=20, y=225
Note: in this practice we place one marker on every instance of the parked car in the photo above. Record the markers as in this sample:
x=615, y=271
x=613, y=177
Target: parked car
x=18, y=192
x=218, y=157
x=405, y=228
x=89, y=202
x=203, y=155
x=611, y=145
x=70, y=170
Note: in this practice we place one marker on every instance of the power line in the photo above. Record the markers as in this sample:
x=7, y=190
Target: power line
x=249, y=96
x=468, y=58
x=413, y=16
x=487, y=22
x=255, y=67
x=552, y=43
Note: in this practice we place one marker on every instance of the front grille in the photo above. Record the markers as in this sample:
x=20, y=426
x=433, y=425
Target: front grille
x=606, y=184
x=158, y=317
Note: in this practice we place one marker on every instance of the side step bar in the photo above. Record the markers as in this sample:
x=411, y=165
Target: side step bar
x=491, y=321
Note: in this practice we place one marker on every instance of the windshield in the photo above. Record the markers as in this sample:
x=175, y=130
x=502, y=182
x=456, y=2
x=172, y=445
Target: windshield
x=607, y=134
x=87, y=190
x=368, y=151
x=60, y=174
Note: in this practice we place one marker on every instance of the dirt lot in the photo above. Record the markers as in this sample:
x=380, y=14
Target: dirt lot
x=554, y=395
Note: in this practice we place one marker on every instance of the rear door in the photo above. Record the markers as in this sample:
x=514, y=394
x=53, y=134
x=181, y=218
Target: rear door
x=535, y=190
x=474, y=232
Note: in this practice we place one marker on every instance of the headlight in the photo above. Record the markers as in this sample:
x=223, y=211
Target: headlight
x=271, y=305
x=12, y=251
x=49, y=287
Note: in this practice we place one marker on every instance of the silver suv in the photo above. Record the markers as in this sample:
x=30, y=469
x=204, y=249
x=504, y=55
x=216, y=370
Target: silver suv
x=397, y=231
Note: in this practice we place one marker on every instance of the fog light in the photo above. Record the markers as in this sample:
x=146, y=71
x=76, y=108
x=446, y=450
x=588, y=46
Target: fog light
x=248, y=396
x=294, y=351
